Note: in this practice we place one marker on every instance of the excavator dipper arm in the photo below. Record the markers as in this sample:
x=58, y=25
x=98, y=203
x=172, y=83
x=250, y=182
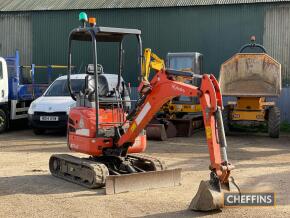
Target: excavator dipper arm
x=165, y=86
x=163, y=89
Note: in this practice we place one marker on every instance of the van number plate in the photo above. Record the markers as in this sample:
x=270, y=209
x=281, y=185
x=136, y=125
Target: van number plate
x=48, y=118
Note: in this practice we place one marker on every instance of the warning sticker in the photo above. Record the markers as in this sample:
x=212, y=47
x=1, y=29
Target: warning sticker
x=133, y=127
x=208, y=132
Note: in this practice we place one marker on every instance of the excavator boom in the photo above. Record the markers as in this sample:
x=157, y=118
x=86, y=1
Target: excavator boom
x=164, y=89
x=161, y=89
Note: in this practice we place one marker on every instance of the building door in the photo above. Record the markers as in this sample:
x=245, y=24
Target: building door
x=276, y=38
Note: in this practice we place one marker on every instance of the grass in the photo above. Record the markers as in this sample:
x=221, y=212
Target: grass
x=285, y=127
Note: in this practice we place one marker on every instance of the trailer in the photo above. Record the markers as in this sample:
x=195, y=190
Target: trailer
x=18, y=88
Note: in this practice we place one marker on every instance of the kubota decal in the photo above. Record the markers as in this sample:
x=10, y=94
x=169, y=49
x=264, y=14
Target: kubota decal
x=178, y=88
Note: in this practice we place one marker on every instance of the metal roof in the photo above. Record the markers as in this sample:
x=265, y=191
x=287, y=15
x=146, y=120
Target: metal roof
x=40, y=5
x=102, y=34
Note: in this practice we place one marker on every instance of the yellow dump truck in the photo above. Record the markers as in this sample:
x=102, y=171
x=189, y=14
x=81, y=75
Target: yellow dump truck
x=250, y=77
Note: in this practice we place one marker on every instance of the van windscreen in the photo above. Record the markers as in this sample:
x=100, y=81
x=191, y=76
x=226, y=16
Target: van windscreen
x=59, y=87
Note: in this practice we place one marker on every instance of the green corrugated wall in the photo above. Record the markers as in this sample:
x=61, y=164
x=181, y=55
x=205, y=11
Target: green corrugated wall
x=215, y=31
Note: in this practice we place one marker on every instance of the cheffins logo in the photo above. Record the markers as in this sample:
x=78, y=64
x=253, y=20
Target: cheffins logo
x=249, y=199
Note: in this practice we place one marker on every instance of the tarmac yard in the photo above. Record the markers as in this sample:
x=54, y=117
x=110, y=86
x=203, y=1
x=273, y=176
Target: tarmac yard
x=28, y=190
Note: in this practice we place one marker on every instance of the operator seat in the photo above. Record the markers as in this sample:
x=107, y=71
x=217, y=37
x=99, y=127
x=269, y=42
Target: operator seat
x=107, y=89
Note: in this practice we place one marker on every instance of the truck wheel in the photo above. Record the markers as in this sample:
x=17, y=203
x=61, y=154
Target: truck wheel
x=274, y=122
x=3, y=121
x=226, y=119
x=38, y=131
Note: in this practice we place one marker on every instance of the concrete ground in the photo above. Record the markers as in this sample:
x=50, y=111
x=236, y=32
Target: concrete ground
x=28, y=190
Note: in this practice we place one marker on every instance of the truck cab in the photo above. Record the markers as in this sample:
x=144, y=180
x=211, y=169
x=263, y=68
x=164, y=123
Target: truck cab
x=3, y=94
x=18, y=88
x=3, y=81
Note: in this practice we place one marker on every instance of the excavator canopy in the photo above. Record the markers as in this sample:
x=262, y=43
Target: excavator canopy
x=102, y=34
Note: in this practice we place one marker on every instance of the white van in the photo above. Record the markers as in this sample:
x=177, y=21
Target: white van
x=50, y=111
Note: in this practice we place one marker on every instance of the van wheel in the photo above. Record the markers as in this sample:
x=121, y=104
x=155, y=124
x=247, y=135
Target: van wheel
x=38, y=131
x=3, y=121
x=274, y=122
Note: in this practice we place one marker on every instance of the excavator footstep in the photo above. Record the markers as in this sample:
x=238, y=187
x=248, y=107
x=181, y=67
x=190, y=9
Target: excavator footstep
x=209, y=198
x=143, y=181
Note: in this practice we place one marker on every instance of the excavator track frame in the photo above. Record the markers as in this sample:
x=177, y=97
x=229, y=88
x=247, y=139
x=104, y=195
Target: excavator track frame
x=81, y=171
x=93, y=172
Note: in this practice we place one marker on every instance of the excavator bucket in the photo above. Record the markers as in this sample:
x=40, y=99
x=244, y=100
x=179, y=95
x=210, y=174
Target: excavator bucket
x=160, y=129
x=143, y=181
x=210, y=195
x=156, y=132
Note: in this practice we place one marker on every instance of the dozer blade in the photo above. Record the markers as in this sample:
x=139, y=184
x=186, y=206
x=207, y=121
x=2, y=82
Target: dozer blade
x=156, y=132
x=210, y=195
x=143, y=181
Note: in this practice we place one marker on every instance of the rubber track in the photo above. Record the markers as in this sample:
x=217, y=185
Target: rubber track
x=158, y=164
x=99, y=171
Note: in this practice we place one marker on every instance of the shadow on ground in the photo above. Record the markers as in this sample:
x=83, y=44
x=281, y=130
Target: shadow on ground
x=40, y=185
x=183, y=213
x=278, y=183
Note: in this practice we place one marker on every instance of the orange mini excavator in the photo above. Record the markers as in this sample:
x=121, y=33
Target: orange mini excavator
x=101, y=126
